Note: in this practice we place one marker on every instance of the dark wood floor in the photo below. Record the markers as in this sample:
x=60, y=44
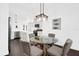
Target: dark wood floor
x=73, y=53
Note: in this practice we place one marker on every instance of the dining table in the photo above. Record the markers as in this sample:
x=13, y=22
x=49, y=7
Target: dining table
x=44, y=40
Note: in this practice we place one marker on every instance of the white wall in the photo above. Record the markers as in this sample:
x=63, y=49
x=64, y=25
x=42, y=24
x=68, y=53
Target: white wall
x=3, y=29
x=69, y=19
x=69, y=22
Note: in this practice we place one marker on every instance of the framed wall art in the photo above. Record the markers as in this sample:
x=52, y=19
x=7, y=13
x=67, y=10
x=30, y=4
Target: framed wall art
x=57, y=24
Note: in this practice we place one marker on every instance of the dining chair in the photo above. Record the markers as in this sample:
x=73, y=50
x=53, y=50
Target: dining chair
x=31, y=35
x=58, y=51
x=52, y=35
x=31, y=50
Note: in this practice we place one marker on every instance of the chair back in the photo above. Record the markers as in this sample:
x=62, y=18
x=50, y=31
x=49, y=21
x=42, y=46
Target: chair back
x=67, y=46
x=51, y=35
x=31, y=35
x=27, y=45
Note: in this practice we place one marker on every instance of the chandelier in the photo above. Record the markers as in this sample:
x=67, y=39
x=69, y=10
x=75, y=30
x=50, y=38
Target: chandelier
x=41, y=16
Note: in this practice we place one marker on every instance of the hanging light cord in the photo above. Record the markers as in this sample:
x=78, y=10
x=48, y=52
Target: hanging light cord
x=42, y=8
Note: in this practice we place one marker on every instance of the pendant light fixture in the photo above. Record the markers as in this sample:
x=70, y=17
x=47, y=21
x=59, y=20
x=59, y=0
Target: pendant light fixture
x=41, y=16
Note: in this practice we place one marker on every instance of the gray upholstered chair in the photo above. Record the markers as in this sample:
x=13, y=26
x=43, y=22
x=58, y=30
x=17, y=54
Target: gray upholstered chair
x=31, y=35
x=52, y=35
x=31, y=50
x=57, y=51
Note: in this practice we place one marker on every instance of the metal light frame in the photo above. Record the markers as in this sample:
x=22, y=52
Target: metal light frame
x=41, y=16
